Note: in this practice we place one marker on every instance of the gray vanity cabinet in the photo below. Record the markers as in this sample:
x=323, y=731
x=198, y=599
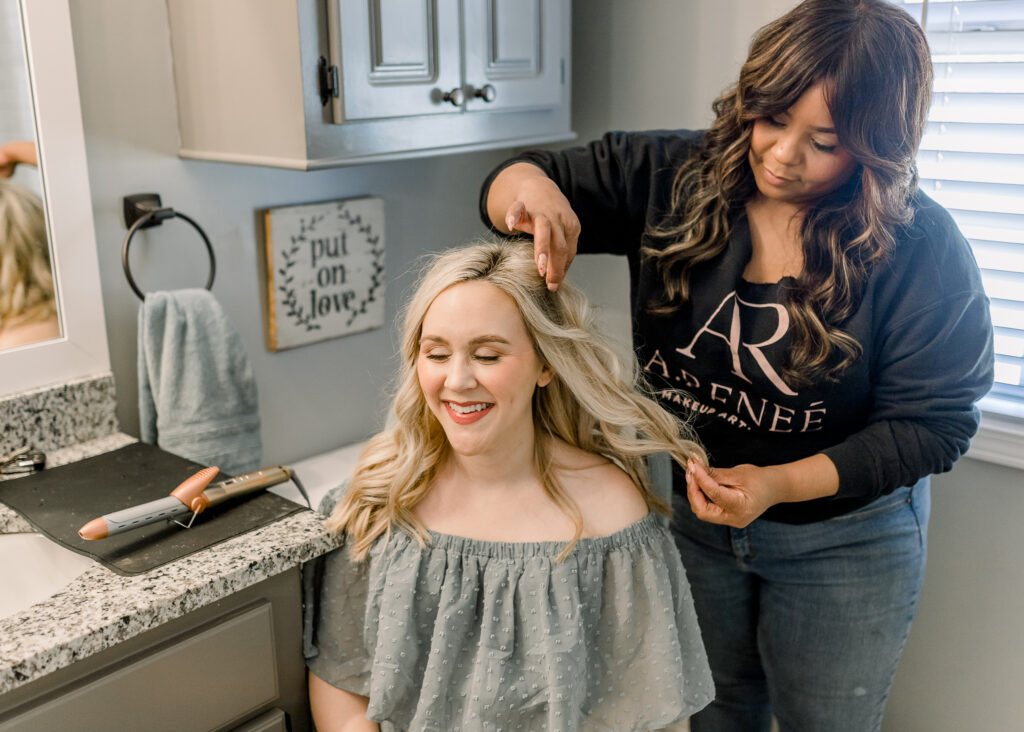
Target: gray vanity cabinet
x=234, y=665
x=319, y=83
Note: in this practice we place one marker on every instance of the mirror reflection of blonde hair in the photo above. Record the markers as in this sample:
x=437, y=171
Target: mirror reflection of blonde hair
x=594, y=402
x=26, y=278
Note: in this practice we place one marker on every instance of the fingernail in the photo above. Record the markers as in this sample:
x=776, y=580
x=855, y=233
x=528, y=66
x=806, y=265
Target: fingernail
x=542, y=264
x=510, y=222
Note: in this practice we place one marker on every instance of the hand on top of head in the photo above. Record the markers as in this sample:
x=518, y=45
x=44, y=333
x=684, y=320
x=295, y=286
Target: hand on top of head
x=540, y=209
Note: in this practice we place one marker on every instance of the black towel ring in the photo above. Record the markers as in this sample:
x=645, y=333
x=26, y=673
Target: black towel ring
x=153, y=217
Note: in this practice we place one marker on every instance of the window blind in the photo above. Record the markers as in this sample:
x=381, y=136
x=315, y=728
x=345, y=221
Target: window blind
x=972, y=159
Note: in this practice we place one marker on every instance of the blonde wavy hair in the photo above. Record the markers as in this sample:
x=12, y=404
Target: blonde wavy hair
x=593, y=402
x=876, y=67
x=26, y=279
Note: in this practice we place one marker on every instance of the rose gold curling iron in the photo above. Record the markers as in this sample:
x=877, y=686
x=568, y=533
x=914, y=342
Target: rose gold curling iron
x=191, y=496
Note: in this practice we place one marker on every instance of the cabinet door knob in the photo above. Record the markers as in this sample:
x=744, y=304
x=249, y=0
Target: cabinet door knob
x=456, y=97
x=487, y=92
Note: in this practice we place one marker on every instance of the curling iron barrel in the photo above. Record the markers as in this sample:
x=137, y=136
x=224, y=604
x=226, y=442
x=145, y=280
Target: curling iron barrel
x=192, y=496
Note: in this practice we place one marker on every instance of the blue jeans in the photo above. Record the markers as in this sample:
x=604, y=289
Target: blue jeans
x=806, y=622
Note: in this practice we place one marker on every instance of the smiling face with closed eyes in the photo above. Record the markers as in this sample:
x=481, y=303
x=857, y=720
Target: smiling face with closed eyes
x=478, y=369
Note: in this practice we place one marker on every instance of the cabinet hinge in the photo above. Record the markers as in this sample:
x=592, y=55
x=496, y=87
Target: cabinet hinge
x=328, y=78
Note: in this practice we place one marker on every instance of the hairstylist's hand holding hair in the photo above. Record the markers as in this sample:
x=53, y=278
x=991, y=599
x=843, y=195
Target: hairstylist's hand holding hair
x=523, y=198
x=13, y=154
x=736, y=496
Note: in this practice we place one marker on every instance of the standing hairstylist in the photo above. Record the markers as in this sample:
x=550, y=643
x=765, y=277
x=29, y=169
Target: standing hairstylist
x=824, y=323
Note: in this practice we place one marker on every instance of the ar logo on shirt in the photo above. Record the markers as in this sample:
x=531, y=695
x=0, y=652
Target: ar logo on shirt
x=732, y=336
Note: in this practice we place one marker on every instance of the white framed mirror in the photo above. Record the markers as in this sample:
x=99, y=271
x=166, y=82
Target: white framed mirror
x=80, y=350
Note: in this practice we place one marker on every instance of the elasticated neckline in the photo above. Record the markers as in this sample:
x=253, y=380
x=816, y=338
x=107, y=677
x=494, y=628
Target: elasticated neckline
x=635, y=533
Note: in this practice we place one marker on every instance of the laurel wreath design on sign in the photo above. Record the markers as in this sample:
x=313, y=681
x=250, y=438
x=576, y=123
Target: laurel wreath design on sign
x=295, y=311
x=377, y=253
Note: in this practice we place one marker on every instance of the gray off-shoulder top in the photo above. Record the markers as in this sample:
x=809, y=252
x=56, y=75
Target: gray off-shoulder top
x=478, y=635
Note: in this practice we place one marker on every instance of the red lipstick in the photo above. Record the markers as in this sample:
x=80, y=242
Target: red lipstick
x=468, y=417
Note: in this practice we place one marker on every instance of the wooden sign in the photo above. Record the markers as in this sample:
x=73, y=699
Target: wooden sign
x=325, y=270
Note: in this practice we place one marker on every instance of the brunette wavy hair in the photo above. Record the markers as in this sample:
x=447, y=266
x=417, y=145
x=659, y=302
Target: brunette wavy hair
x=593, y=402
x=875, y=66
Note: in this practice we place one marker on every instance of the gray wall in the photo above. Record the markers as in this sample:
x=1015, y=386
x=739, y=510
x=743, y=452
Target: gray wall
x=963, y=668
x=656, y=63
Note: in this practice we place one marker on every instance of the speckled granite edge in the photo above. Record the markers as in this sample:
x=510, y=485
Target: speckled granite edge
x=11, y=522
x=100, y=609
x=59, y=416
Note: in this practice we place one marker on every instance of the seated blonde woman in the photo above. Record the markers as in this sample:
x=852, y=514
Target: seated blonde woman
x=504, y=566
x=28, y=311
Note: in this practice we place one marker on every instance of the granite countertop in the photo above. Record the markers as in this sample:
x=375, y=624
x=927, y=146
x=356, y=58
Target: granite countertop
x=101, y=608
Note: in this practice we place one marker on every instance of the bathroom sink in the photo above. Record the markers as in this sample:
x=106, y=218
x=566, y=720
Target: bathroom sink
x=32, y=568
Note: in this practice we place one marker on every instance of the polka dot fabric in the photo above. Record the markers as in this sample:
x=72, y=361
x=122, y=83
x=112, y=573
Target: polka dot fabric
x=484, y=636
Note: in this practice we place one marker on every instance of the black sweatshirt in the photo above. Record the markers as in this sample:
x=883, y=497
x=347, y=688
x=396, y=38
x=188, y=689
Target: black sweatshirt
x=905, y=409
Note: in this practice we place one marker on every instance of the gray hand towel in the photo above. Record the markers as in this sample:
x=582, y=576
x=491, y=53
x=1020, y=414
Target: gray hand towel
x=197, y=392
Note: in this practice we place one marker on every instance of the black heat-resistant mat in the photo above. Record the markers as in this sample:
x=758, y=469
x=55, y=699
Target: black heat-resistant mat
x=59, y=501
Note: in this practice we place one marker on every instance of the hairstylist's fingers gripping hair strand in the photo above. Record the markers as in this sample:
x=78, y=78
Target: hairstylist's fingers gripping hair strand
x=721, y=496
x=737, y=496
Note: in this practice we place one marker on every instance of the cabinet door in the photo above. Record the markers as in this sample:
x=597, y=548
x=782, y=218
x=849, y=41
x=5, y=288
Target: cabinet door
x=515, y=46
x=396, y=58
